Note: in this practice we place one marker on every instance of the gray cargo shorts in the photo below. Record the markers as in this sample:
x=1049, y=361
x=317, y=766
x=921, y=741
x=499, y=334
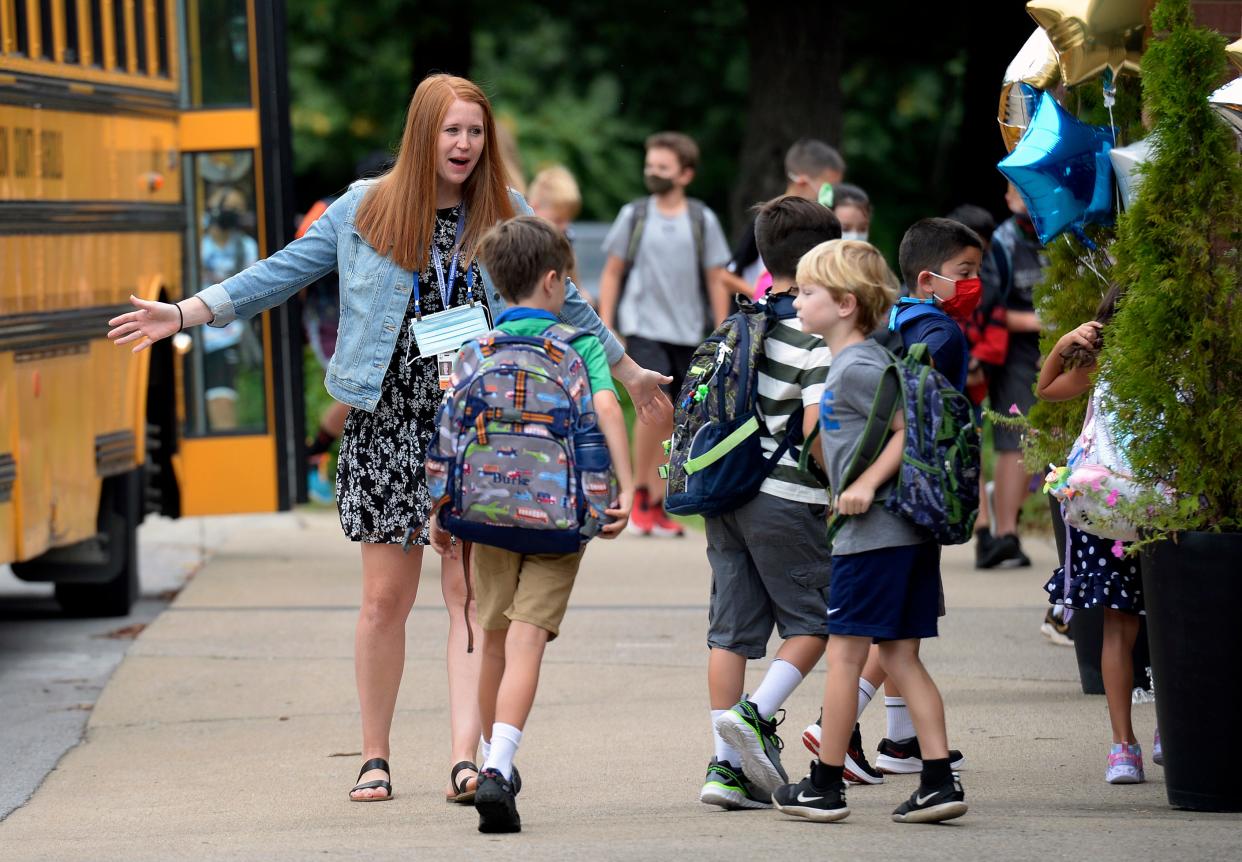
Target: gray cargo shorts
x=770, y=567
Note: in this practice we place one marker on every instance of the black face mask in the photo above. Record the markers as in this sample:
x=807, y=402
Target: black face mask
x=225, y=219
x=657, y=185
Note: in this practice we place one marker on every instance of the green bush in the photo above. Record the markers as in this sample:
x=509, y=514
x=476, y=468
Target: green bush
x=1173, y=355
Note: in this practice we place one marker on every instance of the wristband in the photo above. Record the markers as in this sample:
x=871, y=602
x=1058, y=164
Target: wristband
x=180, y=314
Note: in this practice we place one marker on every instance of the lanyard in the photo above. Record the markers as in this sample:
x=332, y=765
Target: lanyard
x=446, y=285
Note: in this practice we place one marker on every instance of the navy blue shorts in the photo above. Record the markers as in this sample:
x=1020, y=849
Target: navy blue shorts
x=886, y=594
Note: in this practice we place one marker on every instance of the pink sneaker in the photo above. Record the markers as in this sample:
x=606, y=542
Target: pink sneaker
x=1125, y=764
x=1157, y=750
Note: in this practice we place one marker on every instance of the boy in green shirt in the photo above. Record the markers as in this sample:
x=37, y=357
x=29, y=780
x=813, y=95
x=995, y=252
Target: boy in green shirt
x=522, y=597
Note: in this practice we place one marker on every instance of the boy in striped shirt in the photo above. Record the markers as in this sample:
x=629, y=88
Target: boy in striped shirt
x=770, y=563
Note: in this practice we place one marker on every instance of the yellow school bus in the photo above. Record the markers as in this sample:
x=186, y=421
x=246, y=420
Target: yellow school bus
x=143, y=150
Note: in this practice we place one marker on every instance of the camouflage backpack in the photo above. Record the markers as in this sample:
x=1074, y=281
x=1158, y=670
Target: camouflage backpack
x=716, y=460
x=517, y=461
x=937, y=485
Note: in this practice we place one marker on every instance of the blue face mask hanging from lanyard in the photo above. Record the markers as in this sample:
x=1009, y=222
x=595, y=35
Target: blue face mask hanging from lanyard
x=443, y=333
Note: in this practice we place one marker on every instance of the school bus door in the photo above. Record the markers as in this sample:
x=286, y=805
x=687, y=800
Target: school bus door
x=240, y=395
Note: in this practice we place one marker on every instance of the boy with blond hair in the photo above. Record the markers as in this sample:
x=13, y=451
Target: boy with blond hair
x=885, y=572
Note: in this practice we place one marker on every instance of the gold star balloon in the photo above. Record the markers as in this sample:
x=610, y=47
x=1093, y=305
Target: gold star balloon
x=1234, y=53
x=1092, y=35
x=1035, y=68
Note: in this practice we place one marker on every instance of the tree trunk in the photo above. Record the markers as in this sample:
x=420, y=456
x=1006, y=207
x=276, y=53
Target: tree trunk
x=795, y=91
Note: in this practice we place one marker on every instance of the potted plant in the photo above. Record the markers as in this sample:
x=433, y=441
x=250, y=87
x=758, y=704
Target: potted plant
x=1172, y=360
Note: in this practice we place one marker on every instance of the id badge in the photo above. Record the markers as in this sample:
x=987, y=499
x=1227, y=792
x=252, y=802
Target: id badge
x=447, y=331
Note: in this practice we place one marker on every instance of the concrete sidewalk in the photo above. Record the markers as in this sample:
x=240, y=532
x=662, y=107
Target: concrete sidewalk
x=231, y=730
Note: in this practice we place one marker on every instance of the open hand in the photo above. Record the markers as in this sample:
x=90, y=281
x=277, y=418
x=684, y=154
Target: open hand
x=151, y=322
x=650, y=402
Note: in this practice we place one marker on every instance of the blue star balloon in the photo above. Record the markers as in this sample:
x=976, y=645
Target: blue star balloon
x=1060, y=166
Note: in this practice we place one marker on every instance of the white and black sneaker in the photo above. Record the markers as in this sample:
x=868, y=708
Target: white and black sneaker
x=804, y=799
x=857, y=769
x=905, y=758
x=933, y=806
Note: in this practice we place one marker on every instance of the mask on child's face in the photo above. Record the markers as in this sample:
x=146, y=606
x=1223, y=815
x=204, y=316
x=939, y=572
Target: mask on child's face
x=860, y=235
x=964, y=302
x=657, y=185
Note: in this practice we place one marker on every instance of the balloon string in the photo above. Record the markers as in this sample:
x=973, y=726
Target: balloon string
x=1085, y=260
x=1110, y=99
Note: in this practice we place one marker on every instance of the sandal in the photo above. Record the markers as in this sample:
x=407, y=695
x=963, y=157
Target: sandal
x=373, y=763
x=465, y=795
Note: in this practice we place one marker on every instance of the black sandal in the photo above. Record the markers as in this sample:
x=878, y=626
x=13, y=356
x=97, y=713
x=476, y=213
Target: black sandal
x=464, y=796
x=373, y=763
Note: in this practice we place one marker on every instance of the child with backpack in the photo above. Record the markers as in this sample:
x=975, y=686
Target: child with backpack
x=529, y=454
x=885, y=568
x=939, y=261
x=764, y=515
x=1100, y=575
x=661, y=288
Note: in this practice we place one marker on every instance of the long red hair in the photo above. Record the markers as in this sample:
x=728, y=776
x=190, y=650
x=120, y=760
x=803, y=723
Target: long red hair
x=397, y=217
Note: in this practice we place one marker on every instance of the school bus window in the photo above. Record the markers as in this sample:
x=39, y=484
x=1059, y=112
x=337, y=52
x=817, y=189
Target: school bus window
x=120, y=36
x=97, y=34
x=71, y=54
x=47, y=39
x=161, y=38
x=21, y=28
x=225, y=369
x=140, y=36
x=221, y=72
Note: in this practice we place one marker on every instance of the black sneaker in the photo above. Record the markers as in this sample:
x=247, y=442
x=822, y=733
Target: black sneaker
x=727, y=786
x=1005, y=552
x=496, y=804
x=804, y=799
x=905, y=758
x=755, y=737
x=933, y=806
x=983, y=546
x=857, y=769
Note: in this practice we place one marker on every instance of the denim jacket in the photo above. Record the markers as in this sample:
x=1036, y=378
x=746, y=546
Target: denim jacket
x=374, y=294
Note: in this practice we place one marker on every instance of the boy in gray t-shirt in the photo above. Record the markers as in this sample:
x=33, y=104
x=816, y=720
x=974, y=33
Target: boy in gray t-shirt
x=652, y=293
x=885, y=576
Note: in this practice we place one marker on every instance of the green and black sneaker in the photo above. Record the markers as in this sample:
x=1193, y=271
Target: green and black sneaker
x=755, y=737
x=727, y=786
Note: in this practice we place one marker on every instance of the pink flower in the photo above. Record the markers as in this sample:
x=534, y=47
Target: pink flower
x=1119, y=550
x=1112, y=498
x=1013, y=410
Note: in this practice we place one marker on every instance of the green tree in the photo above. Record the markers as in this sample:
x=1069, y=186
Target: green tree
x=1173, y=357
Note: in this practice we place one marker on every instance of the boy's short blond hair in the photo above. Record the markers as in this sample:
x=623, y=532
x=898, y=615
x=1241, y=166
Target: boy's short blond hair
x=555, y=186
x=855, y=267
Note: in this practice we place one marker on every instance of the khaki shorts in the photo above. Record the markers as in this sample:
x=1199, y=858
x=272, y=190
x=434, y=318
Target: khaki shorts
x=531, y=588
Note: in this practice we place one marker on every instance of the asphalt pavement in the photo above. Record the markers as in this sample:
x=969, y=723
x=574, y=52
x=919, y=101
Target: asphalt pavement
x=231, y=730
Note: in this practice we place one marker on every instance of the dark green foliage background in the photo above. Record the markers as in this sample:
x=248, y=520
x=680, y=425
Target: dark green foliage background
x=1173, y=359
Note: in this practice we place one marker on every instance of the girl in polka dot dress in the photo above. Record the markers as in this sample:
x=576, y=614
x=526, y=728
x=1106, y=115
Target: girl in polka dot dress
x=1101, y=575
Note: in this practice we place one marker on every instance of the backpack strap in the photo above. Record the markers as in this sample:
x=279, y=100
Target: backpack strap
x=874, y=438
x=638, y=222
x=698, y=230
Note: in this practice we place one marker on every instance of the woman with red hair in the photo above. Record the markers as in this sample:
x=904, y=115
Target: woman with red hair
x=404, y=246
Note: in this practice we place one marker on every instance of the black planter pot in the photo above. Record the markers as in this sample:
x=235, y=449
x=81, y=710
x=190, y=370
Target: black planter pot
x=1193, y=590
x=1087, y=629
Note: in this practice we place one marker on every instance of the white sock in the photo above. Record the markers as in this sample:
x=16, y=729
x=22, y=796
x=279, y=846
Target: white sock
x=866, y=691
x=724, y=751
x=900, y=725
x=778, y=684
x=485, y=747
x=505, y=741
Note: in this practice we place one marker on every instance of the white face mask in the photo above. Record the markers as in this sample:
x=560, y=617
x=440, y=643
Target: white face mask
x=855, y=234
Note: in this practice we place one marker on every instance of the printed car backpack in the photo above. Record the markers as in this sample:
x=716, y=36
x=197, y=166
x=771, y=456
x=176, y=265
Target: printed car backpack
x=937, y=485
x=518, y=461
x=716, y=460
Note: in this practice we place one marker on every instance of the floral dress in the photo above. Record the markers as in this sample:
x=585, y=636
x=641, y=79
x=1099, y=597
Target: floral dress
x=381, y=489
